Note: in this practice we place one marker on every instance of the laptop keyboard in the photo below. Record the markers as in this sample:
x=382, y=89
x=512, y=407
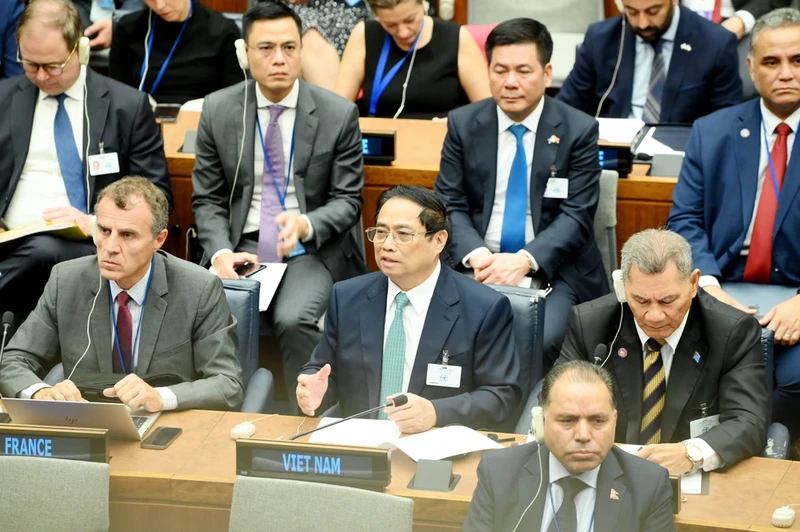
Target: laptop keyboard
x=139, y=420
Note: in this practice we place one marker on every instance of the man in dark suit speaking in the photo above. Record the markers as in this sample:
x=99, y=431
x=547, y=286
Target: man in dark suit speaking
x=417, y=328
x=688, y=368
x=575, y=479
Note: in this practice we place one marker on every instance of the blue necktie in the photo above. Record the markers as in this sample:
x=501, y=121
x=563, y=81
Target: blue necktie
x=68, y=158
x=658, y=75
x=512, y=238
x=394, y=354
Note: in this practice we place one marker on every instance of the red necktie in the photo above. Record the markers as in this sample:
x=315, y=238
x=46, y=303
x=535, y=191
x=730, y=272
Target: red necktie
x=759, y=260
x=124, y=334
x=716, y=16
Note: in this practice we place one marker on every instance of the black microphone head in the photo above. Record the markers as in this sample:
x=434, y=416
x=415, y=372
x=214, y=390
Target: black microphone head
x=600, y=353
x=8, y=318
x=400, y=400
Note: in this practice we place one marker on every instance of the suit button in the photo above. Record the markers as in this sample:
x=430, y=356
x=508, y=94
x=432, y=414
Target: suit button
x=776, y=270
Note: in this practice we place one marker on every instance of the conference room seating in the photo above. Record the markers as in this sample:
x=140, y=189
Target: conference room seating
x=269, y=504
x=605, y=221
x=45, y=495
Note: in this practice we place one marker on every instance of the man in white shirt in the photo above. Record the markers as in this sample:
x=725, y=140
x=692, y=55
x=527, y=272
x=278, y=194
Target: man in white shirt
x=688, y=368
x=520, y=178
x=67, y=132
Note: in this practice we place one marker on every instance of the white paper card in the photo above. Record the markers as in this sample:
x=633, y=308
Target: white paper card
x=621, y=130
x=445, y=442
x=444, y=376
x=360, y=432
x=692, y=484
x=103, y=164
x=557, y=187
x=698, y=427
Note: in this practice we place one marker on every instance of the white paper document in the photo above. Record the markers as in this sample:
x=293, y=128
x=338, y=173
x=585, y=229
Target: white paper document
x=444, y=443
x=690, y=484
x=269, y=277
x=651, y=146
x=359, y=432
x=621, y=130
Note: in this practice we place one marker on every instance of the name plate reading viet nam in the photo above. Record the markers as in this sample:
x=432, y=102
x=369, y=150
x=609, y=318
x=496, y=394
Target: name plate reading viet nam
x=89, y=445
x=359, y=467
x=378, y=147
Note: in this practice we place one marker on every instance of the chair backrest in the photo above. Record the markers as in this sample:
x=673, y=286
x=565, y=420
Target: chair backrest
x=480, y=32
x=43, y=494
x=242, y=296
x=605, y=221
x=559, y=15
x=284, y=505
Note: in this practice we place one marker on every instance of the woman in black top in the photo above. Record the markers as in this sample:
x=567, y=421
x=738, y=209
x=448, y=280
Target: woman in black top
x=448, y=69
x=199, y=39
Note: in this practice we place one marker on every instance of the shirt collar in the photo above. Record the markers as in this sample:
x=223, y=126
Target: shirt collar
x=771, y=121
x=289, y=101
x=669, y=35
x=75, y=91
x=420, y=296
x=137, y=291
x=672, y=339
x=531, y=121
x=558, y=471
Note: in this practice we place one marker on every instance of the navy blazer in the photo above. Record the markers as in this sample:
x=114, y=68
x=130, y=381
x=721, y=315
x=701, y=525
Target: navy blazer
x=473, y=322
x=564, y=243
x=703, y=76
x=715, y=196
x=10, y=13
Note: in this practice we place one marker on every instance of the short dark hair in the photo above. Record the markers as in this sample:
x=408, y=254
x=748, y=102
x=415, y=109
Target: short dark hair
x=127, y=190
x=268, y=10
x=578, y=371
x=521, y=31
x=434, y=213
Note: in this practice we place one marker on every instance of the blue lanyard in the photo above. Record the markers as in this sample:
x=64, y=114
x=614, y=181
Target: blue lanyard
x=771, y=164
x=553, y=505
x=169, y=57
x=381, y=82
x=268, y=162
x=135, y=346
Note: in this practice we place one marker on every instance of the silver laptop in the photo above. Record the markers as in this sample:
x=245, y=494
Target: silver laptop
x=122, y=423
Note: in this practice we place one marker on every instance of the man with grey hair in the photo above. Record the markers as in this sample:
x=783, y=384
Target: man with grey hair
x=737, y=202
x=133, y=311
x=561, y=482
x=677, y=355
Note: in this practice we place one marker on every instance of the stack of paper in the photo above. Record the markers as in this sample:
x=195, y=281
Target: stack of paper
x=359, y=432
x=619, y=130
x=445, y=442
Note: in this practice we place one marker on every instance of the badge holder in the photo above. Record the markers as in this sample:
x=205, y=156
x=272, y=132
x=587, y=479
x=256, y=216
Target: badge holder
x=434, y=475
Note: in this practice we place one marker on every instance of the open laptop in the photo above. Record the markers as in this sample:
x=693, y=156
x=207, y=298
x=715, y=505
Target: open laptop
x=121, y=422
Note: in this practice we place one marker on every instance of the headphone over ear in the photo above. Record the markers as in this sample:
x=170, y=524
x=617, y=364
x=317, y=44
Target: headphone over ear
x=83, y=50
x=619, y=286
x=241, y=54
x=619, y=5
x=537, y=423
x=93, y=229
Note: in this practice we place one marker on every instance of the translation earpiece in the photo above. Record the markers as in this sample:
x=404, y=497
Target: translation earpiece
x=619, y=5
x=619, y=286
x=83, y=50
x=93, y=229
x=241, y=54
x=537, y=423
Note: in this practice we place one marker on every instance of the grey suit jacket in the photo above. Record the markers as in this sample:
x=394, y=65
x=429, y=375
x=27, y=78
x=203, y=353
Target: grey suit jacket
x=509, y=478
x=328, y=172
x=187, y=329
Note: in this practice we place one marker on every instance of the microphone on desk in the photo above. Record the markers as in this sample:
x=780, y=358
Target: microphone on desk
x=600, y=355
x=8, y=321
x=398, y=400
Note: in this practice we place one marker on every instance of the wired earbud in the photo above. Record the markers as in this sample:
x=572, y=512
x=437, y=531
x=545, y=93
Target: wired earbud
x=619, y=291
x=619, y=57
x=84, y=52
x=537, y=429
x=244, y=64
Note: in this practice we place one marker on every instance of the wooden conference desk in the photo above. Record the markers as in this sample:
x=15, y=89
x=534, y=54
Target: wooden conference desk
x=642, y=201
x=189, y=486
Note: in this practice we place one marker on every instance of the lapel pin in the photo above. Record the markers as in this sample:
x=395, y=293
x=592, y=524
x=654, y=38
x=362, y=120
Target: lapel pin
x=696, y=357
x=686, y=46
x=553, y=140
x=445, y=357
x=622, y=353
x=745, y=133
x=614, y=495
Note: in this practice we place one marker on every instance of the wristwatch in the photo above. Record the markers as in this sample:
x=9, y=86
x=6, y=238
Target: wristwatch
x=694, y=454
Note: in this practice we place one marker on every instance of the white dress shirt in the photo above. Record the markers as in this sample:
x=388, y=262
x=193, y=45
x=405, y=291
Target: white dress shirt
x=414, y=314
x=711, y=460
x=40, y=184
x=770, y=122
x=643, y=66
x=137, y=295
x=705, y=8
x=584, y=501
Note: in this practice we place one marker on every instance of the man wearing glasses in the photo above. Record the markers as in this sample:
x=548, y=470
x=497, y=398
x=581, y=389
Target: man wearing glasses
x=415, y=328
x=66, y=133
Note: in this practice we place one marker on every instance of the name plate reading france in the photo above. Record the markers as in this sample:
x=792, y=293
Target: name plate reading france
x=378, y=147
x=363, y=467
x=89, y=445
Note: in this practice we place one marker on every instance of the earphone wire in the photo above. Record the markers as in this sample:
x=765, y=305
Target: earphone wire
x=541, y=478
x=619, y=328
x=616, y=67
x=146, y=49
x=241, y=150
x=88, y=324
x=88, y=141
x=408, y=76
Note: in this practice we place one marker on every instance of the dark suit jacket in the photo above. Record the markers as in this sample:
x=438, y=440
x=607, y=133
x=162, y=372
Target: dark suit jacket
x=715, y=196
x=509, y=478
x=119, y=116
x=10, y=13
x=699, y=81
x=564, y=243
x=472, y=322
x=328, y=173
x=729, y=376
x=187, y=329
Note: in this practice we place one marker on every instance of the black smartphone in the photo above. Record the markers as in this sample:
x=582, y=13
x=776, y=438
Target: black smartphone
x=167, y=112
x=249, y=268
x=161, y=438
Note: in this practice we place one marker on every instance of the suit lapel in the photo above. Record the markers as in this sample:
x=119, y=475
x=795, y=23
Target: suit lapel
x=747, y=150
x=483, y=150
x=97, y=106
x=305, y=131
x=544, y=156
x=607, y=509
x=153, y=318
x=677, y=65
x=526, y=489
x=623, y=89
x=101, y=325
x=684, y=374
x=24, y=100
x=791, y=185
x=438, y=323
x=626, y=357
x=372, y=324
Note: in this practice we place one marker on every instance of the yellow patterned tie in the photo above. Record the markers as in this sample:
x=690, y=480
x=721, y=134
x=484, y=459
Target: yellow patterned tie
x=655, y=392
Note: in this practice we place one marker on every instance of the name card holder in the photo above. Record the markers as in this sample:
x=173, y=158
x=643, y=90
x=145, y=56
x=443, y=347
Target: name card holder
x=378, y=147
x=358, y=467
x=89, y=445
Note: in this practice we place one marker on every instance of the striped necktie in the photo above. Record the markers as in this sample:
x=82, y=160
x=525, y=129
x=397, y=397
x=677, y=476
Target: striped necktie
x=655, y=392
x=394, y=354
x=658, y=75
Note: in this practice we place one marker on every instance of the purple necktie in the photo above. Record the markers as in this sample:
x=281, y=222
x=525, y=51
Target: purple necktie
x=270, y=202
